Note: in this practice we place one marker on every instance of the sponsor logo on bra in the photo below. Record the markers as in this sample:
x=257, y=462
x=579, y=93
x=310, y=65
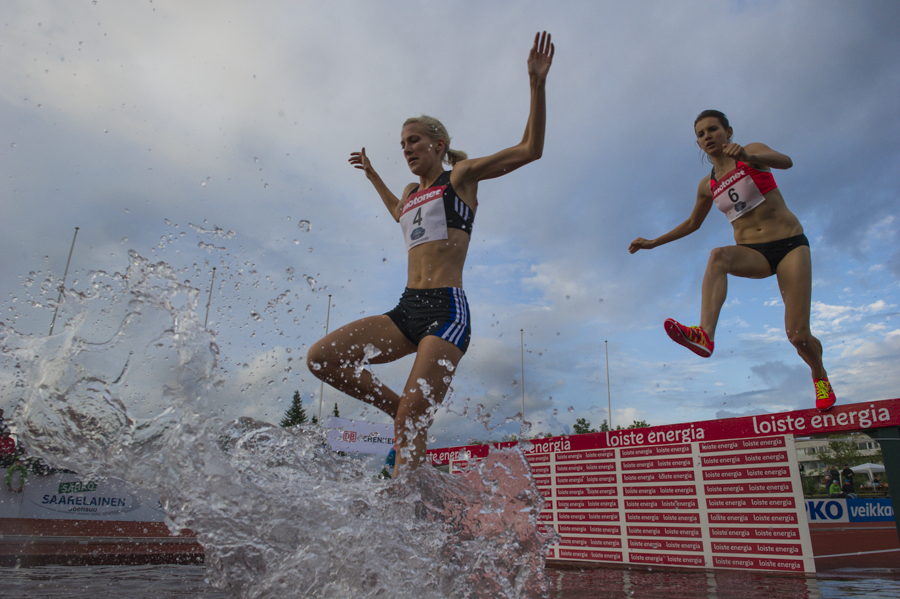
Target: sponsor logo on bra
x=727, y=182
x=416, y=233
x=422, y=197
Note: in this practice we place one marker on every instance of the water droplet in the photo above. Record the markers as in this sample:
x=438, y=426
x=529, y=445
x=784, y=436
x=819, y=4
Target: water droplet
x=305, y=226
x=255, y=315
x=571, y=409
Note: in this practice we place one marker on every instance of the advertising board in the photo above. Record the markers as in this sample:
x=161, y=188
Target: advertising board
x=715, y=494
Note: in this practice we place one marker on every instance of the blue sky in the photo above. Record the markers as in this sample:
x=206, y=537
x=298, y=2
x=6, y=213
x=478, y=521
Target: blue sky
x=202, y=134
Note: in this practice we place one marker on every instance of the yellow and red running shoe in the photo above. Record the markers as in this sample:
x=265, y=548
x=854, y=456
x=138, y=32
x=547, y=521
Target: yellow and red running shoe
x=825, y=397
x=693, y=338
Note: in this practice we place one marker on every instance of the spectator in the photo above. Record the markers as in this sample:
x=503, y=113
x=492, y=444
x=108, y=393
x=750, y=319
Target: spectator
x=848, y=476
x=834, y=474
x=835, y=489
x=876, y=481
x=7, y=451
x=7, y=445
x=847, y=490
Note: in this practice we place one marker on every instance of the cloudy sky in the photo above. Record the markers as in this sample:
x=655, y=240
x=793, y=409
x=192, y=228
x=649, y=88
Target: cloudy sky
x=216, y=134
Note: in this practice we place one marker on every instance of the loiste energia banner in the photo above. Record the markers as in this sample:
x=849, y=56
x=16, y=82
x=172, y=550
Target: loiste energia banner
x=354, y=436
x=802, y=423
x=714, y=494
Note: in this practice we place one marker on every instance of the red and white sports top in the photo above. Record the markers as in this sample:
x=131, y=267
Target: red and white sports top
x=741, y=190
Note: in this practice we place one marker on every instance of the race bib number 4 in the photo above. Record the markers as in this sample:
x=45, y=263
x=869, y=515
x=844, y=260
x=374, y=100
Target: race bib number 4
x=423, y=218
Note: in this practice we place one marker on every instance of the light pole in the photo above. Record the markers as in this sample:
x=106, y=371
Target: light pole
x=209, y=299
x=63, y=284
x=608, y=399
x=522, y=341
x=322, y=387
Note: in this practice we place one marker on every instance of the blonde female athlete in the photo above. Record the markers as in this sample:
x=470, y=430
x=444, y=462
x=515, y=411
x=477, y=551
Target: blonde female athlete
x=432, y=319
x=769, y=239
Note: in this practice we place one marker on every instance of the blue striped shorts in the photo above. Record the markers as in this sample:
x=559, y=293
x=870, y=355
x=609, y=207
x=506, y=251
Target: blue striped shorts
x=441, y=312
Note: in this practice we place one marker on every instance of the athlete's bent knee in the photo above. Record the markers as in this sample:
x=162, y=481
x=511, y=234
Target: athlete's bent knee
x=718, y=260
x=799, y=338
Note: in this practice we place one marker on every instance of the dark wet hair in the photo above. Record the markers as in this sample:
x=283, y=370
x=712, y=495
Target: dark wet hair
x=719, y=116
x=714, y=114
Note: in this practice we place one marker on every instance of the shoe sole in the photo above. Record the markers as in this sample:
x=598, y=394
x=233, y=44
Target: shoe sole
x=675, y=334
x=826, y=408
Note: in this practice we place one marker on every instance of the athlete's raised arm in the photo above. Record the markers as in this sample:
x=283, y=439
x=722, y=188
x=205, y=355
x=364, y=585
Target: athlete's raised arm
x=470, y=171
x=693, y=222
x=757, y=154
x=392, y=203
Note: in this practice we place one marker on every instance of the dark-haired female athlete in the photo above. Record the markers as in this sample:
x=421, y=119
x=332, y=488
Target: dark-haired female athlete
x=770, y=241
x=432, y=318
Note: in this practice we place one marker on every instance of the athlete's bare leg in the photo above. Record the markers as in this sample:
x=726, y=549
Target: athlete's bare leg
x=429, y=380
x=733, y=260
x=795, y=282
x=336, y=358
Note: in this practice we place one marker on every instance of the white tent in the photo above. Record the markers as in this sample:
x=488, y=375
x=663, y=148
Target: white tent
x=868, y=468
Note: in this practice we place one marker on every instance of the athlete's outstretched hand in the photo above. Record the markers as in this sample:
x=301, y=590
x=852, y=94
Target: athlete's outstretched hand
x=360, y=161
x=640, y=244
x=541, y=56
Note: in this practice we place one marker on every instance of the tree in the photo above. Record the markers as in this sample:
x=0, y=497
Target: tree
x=842, y=452
x=604, y=426
x=582, y=426
x=295, y=414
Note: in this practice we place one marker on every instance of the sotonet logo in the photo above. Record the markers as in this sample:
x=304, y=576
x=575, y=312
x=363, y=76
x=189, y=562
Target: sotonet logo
x=77, y=487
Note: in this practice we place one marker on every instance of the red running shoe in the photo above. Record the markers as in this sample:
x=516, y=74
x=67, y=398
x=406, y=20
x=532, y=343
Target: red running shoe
x=693, y=338
x=825, y=397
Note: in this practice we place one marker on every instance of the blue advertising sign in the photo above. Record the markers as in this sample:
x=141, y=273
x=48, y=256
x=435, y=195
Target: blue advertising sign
x=849, y=510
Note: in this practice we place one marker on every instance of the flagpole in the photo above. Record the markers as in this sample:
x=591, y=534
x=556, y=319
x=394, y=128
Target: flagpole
x=608, y=399
x=63, y=284
x=209, y=300
x=522, y=340
x=322, y=387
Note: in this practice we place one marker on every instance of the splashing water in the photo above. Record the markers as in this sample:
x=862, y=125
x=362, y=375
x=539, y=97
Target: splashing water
x=124, y=391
